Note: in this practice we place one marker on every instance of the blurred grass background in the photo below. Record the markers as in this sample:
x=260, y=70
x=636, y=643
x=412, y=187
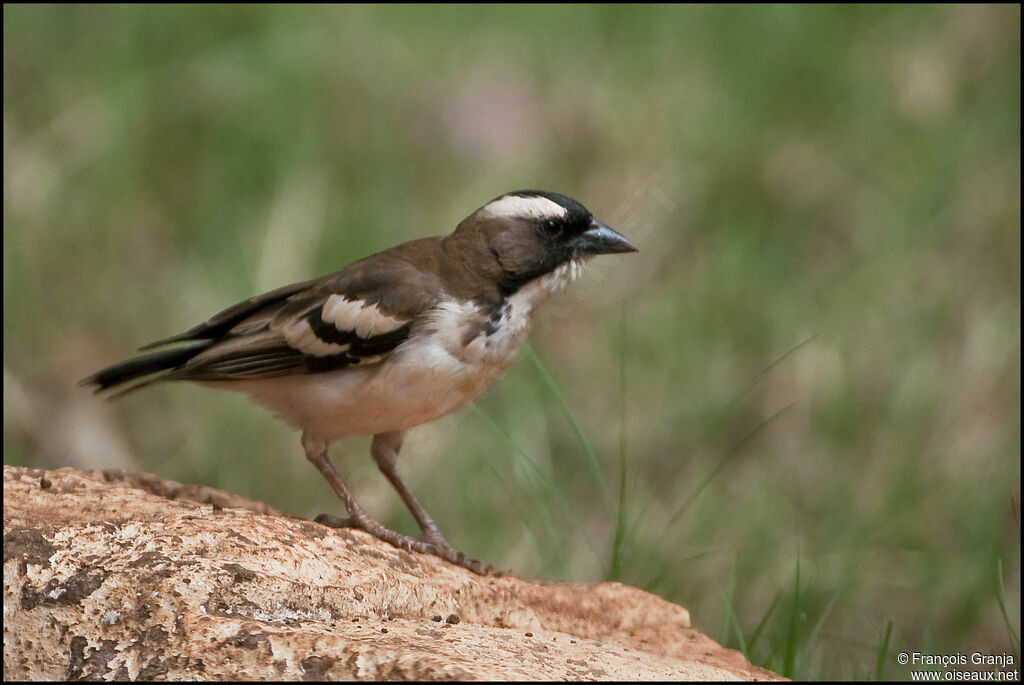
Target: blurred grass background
x=795, y=412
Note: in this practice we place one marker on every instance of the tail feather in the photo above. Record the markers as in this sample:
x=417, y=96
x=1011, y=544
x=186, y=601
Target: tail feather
x=146, y=365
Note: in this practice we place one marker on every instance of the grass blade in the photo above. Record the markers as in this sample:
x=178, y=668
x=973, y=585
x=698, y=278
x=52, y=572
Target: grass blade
x=1011, y=633
x=731, y=620
x=789, y=660
x=724, y=460
x=764, y=621
x=592, y=463
x=813, y=634
x=883, y=650
x=619, y=542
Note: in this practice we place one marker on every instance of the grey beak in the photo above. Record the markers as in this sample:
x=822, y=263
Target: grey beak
x=600, y=239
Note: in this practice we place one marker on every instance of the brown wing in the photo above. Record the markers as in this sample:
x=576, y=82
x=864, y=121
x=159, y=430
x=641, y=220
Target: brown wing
x=356, y=316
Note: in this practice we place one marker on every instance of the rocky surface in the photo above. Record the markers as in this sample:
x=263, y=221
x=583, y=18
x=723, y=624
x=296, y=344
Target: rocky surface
x=111, y=575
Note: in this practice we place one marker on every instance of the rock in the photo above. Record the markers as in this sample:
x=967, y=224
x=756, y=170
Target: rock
x=111, y=575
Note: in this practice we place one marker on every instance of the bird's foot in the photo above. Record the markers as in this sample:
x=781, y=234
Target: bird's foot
x=431, y=543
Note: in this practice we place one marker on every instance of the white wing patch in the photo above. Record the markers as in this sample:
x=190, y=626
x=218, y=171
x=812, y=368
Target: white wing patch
x=520, y=207
x=353, y=316
x=299, y=334
x=363, y=319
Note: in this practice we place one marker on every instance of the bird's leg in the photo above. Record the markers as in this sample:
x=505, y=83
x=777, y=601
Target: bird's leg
x=384, y=448
x=316, y=452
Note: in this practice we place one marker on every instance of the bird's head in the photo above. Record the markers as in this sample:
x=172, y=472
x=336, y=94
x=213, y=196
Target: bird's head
x=527, y=234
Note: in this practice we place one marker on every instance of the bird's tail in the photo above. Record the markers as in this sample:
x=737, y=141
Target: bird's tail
x=150, y=368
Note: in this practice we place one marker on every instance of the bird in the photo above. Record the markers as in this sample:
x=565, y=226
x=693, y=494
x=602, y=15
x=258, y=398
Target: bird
x=391, y=341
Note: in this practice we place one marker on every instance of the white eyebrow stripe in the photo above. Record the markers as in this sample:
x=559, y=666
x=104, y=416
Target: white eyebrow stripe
x=520, y=207
x=362, y=318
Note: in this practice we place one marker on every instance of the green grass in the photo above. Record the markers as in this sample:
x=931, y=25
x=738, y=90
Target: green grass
x=796, y=411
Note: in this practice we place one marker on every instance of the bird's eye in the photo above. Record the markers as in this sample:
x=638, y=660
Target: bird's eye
x=551, y=228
